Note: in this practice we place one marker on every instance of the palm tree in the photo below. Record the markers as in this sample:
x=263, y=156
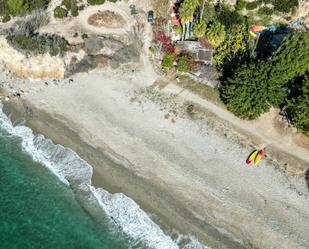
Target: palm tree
x=199, y=28
x=216, y=33
x=186, y=12
x=203, y=2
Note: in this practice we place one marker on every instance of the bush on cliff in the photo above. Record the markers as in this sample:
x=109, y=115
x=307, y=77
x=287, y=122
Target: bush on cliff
x=95, y=2
x=60, y=12
x=38, y=44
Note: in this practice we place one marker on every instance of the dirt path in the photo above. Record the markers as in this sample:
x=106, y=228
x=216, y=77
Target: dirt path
x=263, y=127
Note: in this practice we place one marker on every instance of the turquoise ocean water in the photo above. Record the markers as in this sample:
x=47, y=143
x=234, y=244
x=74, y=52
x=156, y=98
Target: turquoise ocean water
x=47, y=201
x=37, y=210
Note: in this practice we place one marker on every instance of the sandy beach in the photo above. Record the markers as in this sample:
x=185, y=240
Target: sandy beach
x=180, y=156
x=185, y=172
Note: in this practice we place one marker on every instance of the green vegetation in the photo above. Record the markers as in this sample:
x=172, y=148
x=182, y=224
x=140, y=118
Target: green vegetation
x=38, y=44
x=250, y=85
x=232, y=49
x=67, y=7
x=216, y=33
x=265, y=11
x=251, y=5
x=199, y=28
x=284, y=5
x=60, y=12
x=186, y=12
x=168, y=60
x=95, y=2
x=185, y=62
x=245, y=93
x=253, y=88
x=240, y=4
x=290, y=61
x=298, y=108
x=227, y=16
x=16, y=7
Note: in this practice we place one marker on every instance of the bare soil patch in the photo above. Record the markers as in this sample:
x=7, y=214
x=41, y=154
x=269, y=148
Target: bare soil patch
x=107, y=19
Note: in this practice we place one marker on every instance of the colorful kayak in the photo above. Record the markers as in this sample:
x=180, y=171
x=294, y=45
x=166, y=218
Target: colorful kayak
x=258, y=157
x=251, y=157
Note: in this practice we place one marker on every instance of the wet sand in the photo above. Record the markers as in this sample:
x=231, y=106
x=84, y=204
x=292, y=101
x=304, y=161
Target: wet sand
x=189, y=177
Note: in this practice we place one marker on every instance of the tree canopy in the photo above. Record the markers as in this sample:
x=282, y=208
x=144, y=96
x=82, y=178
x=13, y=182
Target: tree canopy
x=298, y=108
x=245, y=93
x=216, y=33
x=290, y=61
x=199, y=28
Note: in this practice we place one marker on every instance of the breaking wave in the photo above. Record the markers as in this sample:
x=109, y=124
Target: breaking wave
x=75, y=172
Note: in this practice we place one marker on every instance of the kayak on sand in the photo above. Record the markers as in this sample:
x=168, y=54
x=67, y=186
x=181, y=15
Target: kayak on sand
x=258, y=157
x=251, y=157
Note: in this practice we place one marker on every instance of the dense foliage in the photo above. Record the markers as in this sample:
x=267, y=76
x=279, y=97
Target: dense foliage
x=168, y=60
x=60, y=12
x=251, y=5
x=199, y=28
x=298, y=108
x=216, y=33
x=284, y=5
x=265, y=11
x=232, y=49
x=227, y=16
x=17, y=7
x=185, y=62
x=245, y=93
x=39, y=44
x=253, y=88
x=290, y=61
x=67, y=7
x=95, y=2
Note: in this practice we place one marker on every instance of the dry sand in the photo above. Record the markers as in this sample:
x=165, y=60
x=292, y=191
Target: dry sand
x=184, y=172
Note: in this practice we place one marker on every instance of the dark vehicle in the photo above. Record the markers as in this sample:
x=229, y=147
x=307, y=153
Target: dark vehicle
x=150, y=16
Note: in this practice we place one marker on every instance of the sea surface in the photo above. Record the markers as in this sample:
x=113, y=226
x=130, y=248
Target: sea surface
x=47, y=201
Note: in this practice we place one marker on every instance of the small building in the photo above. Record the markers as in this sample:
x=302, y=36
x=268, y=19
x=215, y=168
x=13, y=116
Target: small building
x=203, y=50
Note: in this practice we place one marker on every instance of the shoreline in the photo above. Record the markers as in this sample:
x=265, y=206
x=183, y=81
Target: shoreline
x=112, y=172
x=184, y=185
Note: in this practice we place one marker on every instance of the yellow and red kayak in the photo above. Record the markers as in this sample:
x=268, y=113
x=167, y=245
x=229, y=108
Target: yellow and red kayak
x=251, y=157
x=258, y=157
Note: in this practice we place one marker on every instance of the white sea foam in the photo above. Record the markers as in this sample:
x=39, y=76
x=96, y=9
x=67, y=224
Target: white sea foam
x=74, y=171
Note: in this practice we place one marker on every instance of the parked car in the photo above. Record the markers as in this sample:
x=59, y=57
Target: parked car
x=150, y=16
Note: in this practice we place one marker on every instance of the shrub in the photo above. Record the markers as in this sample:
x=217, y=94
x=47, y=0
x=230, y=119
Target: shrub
x=177, y=29
x=245, y=92
x=67, y=3
x=251, y=5
x=209, y=12
x=199, y=29
x=15, y=7
x=289, y=61
x=6, y=18
x=185, y=62
x=36, y=4
x=95, y=2
x=216, y=34
x=265, y=11
x=168, y=60
x=240, y=4
x=227, y=16
x=297, y=109
x=169, y=48
x=38, y=44
x=284, y=5
x=232, y=48
x=74, y=10
x=60, y=12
